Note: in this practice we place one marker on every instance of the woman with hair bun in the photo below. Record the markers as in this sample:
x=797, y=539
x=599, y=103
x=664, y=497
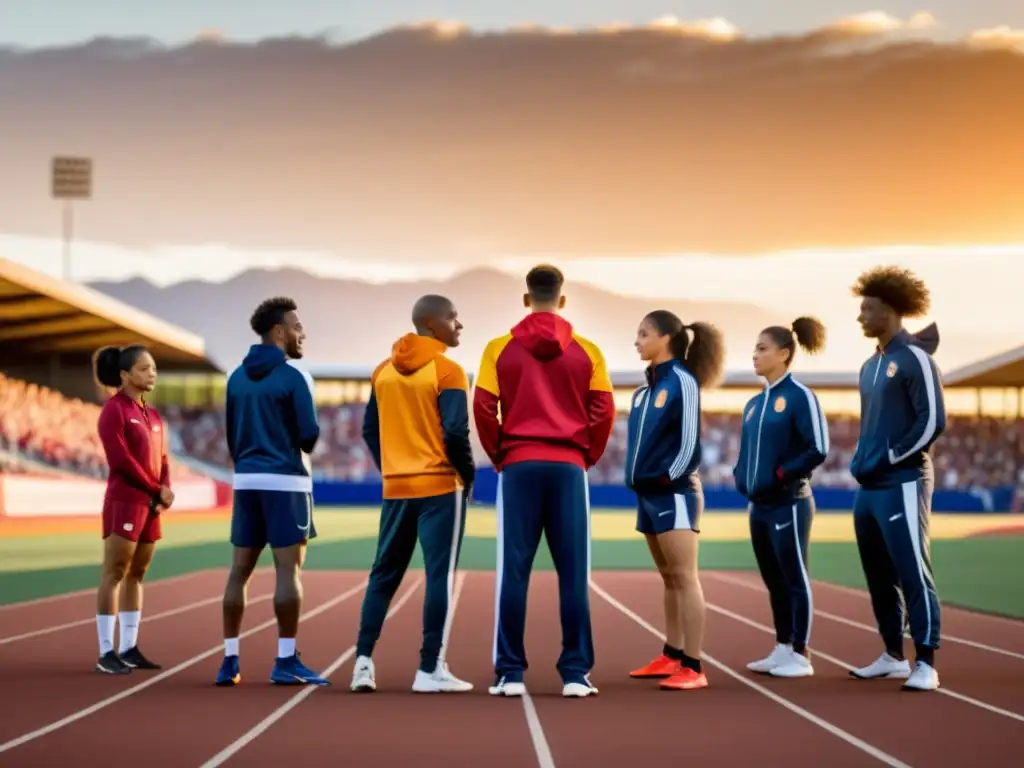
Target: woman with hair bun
x=784, y=438
x=663, y=454
x=138, y=489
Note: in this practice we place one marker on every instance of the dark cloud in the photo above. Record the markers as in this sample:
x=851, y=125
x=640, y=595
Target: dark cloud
x=423, y=139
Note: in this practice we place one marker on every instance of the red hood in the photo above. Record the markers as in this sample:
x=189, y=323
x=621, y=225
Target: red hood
x=544, y=334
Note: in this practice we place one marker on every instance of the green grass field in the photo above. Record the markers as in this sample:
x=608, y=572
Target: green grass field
x=980, y=573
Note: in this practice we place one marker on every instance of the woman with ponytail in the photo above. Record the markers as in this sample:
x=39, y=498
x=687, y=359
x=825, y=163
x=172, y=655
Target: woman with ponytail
x=662, y=458
x=784, y=437
x=138, y=489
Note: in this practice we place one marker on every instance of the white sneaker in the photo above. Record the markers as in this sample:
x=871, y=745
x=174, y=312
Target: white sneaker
x=923, y=678
x=796, y=665
x=885, y=666
x=578, y=690
x=779, y=655
x=441, y=680
x=363, y=680
x=505, y=688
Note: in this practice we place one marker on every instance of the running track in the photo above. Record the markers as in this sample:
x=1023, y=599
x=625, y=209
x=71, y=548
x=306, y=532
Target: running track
x=57, y=711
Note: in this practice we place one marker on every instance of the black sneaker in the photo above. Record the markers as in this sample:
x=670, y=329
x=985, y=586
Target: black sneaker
x=133, y=658
x=110, y=663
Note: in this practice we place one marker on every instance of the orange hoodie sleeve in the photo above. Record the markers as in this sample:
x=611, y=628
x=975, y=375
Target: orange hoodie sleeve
x=600, y=404
x=486, y=401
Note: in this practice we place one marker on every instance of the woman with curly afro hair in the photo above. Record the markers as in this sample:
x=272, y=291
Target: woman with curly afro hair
x=902, y=415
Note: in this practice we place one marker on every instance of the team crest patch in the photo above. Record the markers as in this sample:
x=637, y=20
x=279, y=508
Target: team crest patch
x=659, y=401
x=891, y=369
x=780, y=404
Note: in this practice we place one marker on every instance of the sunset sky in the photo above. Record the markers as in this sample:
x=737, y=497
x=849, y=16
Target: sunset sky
x=722, y=163
x=50, y=22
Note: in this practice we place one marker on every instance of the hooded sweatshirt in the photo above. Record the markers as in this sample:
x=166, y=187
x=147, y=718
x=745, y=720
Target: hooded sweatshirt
x=553, y=392
x=417, y=421
x=271, y=422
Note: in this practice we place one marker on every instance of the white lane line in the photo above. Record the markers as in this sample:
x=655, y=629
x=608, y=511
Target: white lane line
x=261, y=727
x=219, y=648
x=153, y=617
x=729, y=579
x=849, y=738
x=840, y=663
x=92, y=590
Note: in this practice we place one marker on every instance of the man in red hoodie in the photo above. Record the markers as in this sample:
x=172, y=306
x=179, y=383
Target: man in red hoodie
x=557, y=412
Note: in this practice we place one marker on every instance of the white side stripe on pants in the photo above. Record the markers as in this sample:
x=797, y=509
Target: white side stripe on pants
x=499, y=512
x=682, y=519
x=452, y=559
x=912, y=514
x=804, y=575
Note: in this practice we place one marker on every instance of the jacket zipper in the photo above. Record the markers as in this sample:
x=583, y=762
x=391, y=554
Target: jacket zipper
x=874, y=382
x=757, y=445
x=639, y=433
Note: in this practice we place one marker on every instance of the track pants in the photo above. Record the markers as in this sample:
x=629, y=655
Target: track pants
x=439, y=523
x=891, y=525
x=552, y=498
x=780, y=536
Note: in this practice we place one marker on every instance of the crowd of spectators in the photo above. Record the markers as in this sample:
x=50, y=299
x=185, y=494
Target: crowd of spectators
x=42, y=425
x=974, y=452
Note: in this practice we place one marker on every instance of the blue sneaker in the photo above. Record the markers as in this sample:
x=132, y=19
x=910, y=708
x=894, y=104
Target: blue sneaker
x=229, y=672
x=291, y=671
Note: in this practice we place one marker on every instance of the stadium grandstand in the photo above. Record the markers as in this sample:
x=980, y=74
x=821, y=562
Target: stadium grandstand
x=49, y=400
x=48, y=407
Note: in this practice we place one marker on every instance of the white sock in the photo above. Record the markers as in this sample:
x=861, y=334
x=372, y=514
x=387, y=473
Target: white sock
x=105, y=631
x=231, y=646
x=129, y=621
x=285, y=647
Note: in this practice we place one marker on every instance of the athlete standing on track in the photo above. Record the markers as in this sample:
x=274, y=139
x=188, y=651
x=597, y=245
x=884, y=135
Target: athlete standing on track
x=417, y=429
x=784, y=437
x=663, y=453
x=903, y=413
x=271, y=427
x=138, y=489
x=557, y=413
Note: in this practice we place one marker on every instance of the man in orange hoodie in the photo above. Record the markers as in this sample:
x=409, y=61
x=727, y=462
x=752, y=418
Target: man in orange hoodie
x=417, y=429
x=557, y=413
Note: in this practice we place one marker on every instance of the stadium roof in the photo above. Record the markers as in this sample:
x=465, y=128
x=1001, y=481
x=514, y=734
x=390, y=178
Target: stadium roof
x=42, y=316
x=1003, y=370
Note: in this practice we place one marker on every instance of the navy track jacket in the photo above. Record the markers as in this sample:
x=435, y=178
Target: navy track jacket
x=271, y=422
x=663, y=449
x=902, y=413
x=783, y=439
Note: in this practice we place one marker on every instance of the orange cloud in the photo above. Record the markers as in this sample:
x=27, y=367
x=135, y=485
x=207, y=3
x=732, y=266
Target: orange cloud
x=668, y=136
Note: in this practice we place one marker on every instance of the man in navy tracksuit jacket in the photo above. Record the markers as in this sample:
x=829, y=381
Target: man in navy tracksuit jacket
x=271, y=426
x=784, y=438
x=902, y=414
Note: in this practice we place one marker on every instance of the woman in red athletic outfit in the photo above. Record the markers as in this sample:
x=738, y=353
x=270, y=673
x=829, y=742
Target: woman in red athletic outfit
x=138, y=489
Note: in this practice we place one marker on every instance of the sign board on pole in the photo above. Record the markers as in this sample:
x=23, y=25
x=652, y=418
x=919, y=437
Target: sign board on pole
x=72, y=178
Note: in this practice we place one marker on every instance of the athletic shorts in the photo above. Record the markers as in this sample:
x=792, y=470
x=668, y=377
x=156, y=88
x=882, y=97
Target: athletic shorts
x=274, y=518
x=659, y=513
x=135, y=522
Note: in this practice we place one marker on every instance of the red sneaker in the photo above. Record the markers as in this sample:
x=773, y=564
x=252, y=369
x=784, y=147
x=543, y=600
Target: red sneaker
x=684, y=680
x=662, y=666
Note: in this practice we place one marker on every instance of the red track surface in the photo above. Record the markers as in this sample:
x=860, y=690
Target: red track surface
x=829, y=720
